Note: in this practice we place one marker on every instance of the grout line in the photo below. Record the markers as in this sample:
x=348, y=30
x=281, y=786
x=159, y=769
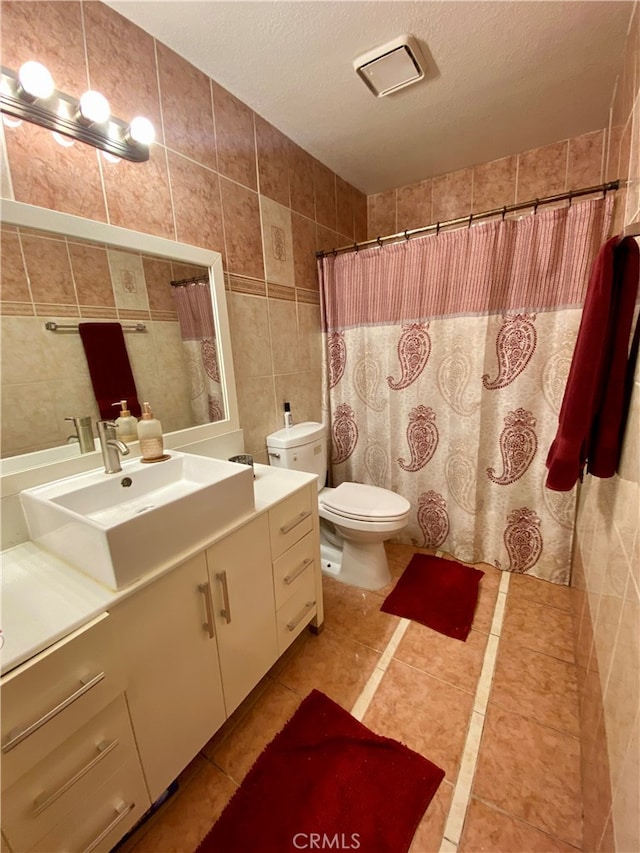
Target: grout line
x=393, y=644
x=501, y=601
x=368, y=692
x=364, y=699
x=486, y=675
x=462, y=789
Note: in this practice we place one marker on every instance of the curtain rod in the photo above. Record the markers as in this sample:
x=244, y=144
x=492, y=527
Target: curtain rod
x=195, y=279
x=467, y=220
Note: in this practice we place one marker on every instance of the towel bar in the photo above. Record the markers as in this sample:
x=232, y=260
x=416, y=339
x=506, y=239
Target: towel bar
x=52, y=326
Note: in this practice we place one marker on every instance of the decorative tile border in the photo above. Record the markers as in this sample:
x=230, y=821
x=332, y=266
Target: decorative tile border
x=280, y=291
x=310, y=296
x=253, y=286
x=16, y=309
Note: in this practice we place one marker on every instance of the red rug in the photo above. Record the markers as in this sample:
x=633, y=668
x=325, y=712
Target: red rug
x=441, y=594
x=327, y=781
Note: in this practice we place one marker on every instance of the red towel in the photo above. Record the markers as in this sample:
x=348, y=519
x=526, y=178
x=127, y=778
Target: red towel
x=109, y=368
x=593, y=404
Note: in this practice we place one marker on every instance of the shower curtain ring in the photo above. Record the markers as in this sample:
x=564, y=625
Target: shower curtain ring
x=470, y=220
x=535, y=206
x=437, y=228
x=355, y=248
x=504, y=212
x=570, y=198
x=406, y=235
x=379, y=241
x=335, y=253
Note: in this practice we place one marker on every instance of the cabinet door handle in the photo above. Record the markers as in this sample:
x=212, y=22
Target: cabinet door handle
x=18, y=737
x=304, y=565
x=121, y=812
x=293, y=625
x=287, y=528
x=104, y=748
x=226, y=608
x=205, y=589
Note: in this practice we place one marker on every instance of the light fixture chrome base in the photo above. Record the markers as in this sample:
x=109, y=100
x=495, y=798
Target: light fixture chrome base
x=59, y=112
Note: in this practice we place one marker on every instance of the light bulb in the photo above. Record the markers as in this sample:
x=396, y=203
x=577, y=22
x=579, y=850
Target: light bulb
x=62, y=140
x=141, y=130
x=9, y=121
x=36, y=80
x=110, y=158
x=94, y=107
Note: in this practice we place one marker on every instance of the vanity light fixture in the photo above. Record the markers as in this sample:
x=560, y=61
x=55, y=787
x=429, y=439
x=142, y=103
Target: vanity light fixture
x=30, y=94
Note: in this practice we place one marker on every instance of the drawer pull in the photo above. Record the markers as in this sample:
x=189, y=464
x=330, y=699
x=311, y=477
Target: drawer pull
x=304, y=565
x=121, y=812
x=205, y=589
x=287, y=528
x=291, y=626
x=104, y=749
x=226, y=607
x=87, y=684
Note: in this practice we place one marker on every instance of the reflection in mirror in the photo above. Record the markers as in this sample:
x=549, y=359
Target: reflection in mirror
x=66, y=280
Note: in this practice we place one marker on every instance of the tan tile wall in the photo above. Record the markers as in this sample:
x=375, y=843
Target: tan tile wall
x=571, y=164
x=606, y=576
x=219, y=176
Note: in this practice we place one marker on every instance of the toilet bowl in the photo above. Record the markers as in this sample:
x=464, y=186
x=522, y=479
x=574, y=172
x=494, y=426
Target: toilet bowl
x=355, y=519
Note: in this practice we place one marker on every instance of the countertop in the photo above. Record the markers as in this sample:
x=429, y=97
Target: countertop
x=44, y=598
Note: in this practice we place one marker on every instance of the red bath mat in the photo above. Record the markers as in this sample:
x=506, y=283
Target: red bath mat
x=327, y=781
x=441, y=594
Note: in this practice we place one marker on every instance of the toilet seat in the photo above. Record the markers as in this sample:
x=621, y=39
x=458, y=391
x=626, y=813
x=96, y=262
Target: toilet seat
x=360, y=502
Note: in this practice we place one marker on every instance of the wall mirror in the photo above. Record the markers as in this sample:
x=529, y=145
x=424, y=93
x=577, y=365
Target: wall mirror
x=62, y=269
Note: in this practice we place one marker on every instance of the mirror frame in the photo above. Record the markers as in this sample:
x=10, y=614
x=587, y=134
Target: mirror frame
x=43, y=219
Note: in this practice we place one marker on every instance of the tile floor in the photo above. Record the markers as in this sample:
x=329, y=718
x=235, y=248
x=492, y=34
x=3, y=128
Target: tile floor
x=498, y=713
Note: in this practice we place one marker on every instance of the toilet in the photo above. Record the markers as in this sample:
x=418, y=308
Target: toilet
x=355, y=519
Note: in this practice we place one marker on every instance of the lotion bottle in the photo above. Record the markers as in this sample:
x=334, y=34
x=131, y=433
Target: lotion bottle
x=126, y=424
x=150, y=435
x=287, y=415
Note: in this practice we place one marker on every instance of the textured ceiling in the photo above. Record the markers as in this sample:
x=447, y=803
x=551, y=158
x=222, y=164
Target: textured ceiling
x=501, y=76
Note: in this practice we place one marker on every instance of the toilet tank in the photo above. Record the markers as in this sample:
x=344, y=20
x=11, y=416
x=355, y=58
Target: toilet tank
x=301, y=447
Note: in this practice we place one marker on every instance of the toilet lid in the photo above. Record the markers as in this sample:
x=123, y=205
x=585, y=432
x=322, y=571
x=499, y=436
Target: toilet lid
x=360, y=502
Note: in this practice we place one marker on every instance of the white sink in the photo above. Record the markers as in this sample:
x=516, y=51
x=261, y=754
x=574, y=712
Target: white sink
x=118, y=527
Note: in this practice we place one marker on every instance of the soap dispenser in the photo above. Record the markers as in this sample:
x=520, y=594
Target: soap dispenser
x=150, y=435
x=126, y=424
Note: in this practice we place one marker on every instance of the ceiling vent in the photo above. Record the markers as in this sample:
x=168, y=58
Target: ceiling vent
x=391, y=66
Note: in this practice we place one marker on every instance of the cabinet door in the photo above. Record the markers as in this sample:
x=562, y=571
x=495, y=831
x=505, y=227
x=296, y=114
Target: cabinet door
x=242, y=581
x=174, y=689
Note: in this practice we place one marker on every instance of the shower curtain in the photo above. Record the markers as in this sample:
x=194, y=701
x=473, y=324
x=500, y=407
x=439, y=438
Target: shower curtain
x=197, y=329
x=446, y=358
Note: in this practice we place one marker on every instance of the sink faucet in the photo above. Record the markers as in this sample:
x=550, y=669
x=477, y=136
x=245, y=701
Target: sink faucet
x=111, y=447
x=83, y=434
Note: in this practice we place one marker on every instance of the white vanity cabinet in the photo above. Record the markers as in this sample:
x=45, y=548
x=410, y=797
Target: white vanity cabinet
x=166, y=636
x=96, y=727
x=241, y=581
x=67, y=740
x=293, y=529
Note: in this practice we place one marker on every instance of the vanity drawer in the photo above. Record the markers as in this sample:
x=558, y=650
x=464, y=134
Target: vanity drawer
x=37, y=802
x=97, y=823
x=289, y=521
x=50, y=697
x=296, y=614
x=290, y=569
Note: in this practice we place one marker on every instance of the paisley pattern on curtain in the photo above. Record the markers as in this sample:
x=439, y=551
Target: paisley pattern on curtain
x=197, y=329
x=446, y=358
